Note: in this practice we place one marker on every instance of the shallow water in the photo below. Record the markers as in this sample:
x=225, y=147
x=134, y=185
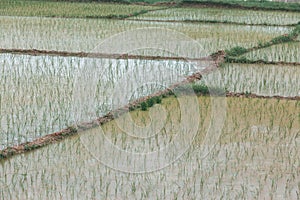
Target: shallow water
x=84, y=35
x=224, y=15
x=255, y=158
x=43, y=94
x=260, y=79
x=288, y=52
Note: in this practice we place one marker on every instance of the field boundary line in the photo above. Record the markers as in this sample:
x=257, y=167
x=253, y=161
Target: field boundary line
x=249, y=61
x=235, y=5
x=208, y=22
x=35, y=52
x=252, y=95
x=142, y=12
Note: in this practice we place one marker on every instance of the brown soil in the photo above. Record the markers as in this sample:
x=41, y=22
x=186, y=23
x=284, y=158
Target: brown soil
x=281, y=63
x=245, y=95
x=35, y=52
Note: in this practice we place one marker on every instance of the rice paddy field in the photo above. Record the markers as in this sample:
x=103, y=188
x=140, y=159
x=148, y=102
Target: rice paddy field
x=83, y=35
x=224, y=15
x=261, y=79
x=283, y=52
x=147, y=100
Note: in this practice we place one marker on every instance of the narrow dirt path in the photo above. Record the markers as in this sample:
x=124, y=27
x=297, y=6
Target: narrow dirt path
x=35, y=52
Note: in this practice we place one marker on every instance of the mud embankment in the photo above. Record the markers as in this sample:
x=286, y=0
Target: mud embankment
x=35, y=52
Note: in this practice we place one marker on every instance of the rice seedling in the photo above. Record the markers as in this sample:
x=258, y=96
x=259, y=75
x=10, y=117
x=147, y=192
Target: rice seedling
x=70, y=9
x=44, y=94
x=215, y=15
x=83, y=35
x=255, y=157
x=260, y=79
x=288, y=52
x=244, y=164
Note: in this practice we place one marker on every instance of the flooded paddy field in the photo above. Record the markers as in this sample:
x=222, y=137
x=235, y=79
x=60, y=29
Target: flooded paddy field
x=256, y=156
x=85, y=35
x=185, y=100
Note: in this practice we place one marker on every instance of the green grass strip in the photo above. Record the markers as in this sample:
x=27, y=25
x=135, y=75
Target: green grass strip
x=254, y=4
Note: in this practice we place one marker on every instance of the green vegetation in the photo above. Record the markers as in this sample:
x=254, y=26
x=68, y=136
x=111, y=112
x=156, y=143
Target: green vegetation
x=296, y=31
x=281, y=39
x=236, y=51
x=200, y=89
x=151, y=102
x=243, y=59
x=2, y=156
x=144, y=106
x=158, y=99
